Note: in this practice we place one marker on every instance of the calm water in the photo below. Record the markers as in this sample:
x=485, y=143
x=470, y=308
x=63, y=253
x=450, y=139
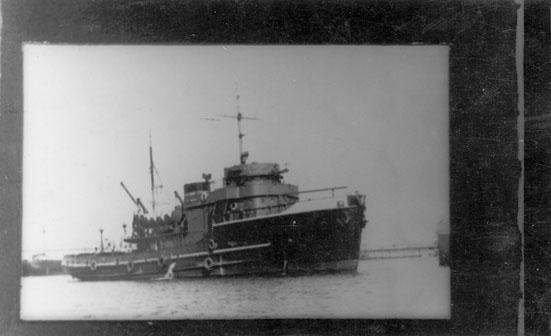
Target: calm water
x=415, y=287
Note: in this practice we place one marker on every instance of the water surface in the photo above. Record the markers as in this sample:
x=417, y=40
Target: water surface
x=397, y=288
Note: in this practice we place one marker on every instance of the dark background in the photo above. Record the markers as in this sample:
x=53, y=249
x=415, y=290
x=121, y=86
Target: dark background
x=484, y=169
x=537, y=68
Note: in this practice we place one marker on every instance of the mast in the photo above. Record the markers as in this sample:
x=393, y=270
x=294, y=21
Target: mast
x=240, y=135
x=151, y=168
x=101, y=239
x=242, y=155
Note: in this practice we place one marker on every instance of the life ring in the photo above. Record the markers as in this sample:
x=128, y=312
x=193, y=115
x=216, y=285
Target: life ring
x=93, y=265
x=130, y=266
x=208, y=263
x=343, y=220
x=204, y=197
x=233, y=206
x=212, y=244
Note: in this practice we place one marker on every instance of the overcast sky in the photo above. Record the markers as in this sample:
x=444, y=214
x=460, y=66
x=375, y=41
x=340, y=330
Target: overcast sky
x=373, y=118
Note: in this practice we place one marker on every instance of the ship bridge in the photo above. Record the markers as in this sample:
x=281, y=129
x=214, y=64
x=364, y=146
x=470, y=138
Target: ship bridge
x=239, y=175
x=251, y=190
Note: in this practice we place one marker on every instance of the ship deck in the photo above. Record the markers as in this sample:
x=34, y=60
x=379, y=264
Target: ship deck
x=296, y=209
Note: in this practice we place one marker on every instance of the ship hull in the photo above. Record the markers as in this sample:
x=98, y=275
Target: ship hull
x=42, y=267
x=291, y=244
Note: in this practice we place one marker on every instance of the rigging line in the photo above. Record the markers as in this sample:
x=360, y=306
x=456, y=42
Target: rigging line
x=158, y=175
x=315, y=199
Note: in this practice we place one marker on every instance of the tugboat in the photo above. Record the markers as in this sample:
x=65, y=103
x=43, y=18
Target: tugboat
x=254, y=224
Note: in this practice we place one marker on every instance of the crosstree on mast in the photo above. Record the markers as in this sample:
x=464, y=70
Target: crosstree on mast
x=242, y=155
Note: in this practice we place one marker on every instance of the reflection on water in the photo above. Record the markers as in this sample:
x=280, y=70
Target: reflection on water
x=404, y=288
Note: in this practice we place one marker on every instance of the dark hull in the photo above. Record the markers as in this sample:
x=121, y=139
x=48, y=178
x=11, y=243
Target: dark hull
x=290, y=244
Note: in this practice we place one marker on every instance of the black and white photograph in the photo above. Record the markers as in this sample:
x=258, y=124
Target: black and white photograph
x=280, y=167
x=166, y=182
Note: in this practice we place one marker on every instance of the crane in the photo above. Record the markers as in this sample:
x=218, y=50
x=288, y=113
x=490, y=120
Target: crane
x=136, y=201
